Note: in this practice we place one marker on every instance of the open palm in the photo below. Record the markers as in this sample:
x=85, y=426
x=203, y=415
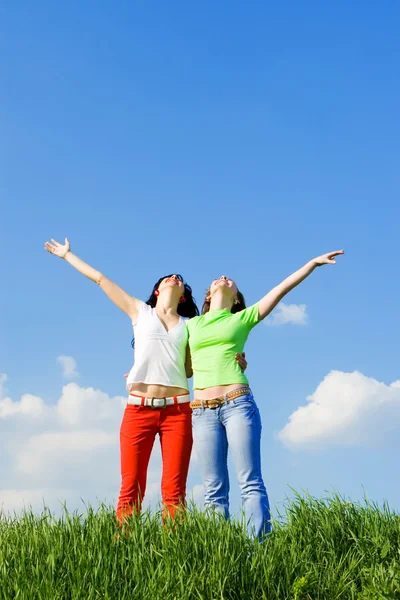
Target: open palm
x=58, y=249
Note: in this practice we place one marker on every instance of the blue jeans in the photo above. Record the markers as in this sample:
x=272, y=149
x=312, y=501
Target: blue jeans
x=235, y=424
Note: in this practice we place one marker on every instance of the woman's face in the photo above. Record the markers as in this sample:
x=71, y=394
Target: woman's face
x=173, y=282
x=228, y=285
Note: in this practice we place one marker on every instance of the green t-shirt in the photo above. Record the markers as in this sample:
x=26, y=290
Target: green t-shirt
x=214, y=339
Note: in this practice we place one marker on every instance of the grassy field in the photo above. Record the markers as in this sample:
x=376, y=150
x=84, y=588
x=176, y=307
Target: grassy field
x=319, y=549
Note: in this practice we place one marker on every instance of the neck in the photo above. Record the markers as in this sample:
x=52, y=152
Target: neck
x=167, y=302
x=220, y=300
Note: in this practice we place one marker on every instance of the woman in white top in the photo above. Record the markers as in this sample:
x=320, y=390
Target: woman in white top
x=157, y=385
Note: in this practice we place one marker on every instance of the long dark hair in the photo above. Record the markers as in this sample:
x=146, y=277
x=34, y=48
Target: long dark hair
x=237, y=307
x=187, y=309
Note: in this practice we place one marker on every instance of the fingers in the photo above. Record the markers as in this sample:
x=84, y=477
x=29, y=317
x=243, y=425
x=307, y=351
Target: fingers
x=241, y=360
x=55, y=247
x=329, y=257
x=49, y=247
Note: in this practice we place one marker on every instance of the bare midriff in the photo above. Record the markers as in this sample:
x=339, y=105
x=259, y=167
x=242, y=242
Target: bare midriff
x=156, y=391
x=217, y=390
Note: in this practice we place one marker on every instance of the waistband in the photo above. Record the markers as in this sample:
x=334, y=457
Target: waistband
x=215, y=402
x=158, y=402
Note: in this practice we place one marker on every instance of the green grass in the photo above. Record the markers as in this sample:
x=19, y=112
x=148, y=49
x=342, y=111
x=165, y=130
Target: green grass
x=319, y=549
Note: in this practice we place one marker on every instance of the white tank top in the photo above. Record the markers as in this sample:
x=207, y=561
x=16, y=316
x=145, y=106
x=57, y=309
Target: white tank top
x=159, y=354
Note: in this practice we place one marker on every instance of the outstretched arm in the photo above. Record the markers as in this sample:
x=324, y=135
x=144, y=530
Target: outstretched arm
x=268, y=303
x=127, y=303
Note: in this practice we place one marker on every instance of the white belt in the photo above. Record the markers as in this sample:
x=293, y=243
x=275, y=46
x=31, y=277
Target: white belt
x=157, y=402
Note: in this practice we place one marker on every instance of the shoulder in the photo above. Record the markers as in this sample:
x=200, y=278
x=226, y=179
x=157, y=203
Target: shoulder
x=190, y=323
x=144, y=309
x=249, y=315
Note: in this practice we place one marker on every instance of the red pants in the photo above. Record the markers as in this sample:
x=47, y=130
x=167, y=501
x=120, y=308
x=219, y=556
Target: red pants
x=139, y=427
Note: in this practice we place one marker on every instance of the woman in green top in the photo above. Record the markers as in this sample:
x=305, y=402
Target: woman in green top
x=224, y=411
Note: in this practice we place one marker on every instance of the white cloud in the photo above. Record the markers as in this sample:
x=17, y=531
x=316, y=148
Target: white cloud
x=29, y=405
x=3, y=379
x=64, y=451
x=288, y=313
x=196, y=495
x=345, y=409
x=15, y=500
x=58, y=450
x=80, y=406
x=68, y=364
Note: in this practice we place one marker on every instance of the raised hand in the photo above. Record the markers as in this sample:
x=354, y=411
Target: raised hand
x=58, y=249
x=327, y=259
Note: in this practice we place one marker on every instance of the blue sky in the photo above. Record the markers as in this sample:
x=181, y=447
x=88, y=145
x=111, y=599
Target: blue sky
x=230, y=138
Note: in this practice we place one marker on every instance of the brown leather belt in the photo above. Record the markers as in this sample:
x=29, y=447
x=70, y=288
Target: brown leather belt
x=215, y=402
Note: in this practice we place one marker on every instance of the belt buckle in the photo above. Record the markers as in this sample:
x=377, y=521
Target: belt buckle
x=162, y=406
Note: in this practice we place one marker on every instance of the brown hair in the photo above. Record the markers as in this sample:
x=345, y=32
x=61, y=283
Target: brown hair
x=237, y=307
